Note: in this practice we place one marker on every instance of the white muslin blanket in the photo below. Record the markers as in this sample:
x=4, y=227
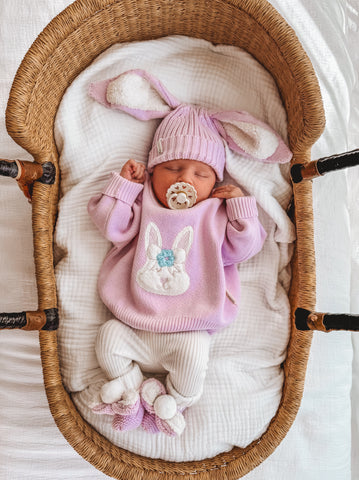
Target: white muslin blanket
x=244, y=381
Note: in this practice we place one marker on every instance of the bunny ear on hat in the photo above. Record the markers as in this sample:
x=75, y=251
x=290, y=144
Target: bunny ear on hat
x=143, y=96
x=251, y=137
x=135, y=92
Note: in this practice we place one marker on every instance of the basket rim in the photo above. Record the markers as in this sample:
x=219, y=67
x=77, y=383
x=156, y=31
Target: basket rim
x=80, y=11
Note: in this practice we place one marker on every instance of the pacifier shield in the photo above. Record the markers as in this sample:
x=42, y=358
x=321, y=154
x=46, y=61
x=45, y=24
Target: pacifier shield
x=181, y=195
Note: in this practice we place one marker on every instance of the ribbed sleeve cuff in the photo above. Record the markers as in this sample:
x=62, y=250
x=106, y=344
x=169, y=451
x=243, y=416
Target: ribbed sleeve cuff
x=241, y=207
x=122, y=189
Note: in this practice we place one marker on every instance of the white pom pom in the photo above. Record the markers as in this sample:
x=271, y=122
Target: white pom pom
x=165, y=407
x=112, y=391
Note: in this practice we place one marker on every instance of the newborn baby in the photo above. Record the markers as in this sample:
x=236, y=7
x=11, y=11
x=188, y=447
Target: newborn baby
x=171, y=278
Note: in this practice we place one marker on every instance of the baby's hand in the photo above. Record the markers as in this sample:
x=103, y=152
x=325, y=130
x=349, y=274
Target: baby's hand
x=133, y=171
x=227, y=191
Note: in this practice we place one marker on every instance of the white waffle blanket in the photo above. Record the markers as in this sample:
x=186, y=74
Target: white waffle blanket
x=244, y=381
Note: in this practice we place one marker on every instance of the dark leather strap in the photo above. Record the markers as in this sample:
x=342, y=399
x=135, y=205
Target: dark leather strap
x=39, y=320
x=325, y=322
x=324, y=165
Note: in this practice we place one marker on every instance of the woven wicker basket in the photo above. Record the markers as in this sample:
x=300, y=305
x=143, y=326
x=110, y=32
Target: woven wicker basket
x=65, y=48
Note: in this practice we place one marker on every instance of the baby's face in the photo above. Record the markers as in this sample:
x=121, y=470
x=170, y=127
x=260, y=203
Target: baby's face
x=201, y=176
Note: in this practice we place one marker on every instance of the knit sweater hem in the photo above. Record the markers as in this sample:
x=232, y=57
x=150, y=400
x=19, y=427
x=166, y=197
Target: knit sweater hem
x=170, y=324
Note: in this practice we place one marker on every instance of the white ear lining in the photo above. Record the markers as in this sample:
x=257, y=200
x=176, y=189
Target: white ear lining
x=133, y=91
x=184, y=239
x=253, y=139
x=153, y=236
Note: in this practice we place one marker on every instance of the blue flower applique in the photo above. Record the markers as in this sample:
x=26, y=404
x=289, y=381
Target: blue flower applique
x=166, y=258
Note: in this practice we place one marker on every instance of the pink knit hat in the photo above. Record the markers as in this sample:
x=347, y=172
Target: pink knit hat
x=189, y=131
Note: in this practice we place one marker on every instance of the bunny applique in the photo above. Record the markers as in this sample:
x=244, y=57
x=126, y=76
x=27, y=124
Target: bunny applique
x=164, y=272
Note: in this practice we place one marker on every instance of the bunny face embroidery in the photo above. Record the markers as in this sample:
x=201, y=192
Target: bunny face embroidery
x=164, y=272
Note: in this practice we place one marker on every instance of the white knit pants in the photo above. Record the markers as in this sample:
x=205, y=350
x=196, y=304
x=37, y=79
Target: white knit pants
x=121, y=350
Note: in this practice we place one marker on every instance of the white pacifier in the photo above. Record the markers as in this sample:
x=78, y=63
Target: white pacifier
x=181, y=195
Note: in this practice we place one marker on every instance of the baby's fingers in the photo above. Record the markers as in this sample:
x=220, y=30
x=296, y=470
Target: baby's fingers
x=139, y=173
x=227, y=191
x=134, y=171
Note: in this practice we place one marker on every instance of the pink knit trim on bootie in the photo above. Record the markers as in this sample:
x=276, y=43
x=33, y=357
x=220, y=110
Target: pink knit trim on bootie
x=128, y=411
x=128, y=405
x=149, y=423
x=125, y=423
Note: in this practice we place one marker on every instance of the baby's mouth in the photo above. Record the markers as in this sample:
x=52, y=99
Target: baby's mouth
x=181, y=195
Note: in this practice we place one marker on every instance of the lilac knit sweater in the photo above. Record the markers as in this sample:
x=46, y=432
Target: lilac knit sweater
x=173, y=270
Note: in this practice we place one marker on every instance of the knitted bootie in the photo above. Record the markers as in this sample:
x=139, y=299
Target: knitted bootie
x=149, y=391
x=128, y=412
x=169, y=419
x=149, y=423
x=173, y=427
x=162, y=414
x=128, y=405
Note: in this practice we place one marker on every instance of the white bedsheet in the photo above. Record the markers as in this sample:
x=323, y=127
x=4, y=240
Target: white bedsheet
x=320, y=442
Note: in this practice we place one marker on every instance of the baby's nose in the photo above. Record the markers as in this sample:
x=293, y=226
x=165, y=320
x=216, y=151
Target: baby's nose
x=186, y=177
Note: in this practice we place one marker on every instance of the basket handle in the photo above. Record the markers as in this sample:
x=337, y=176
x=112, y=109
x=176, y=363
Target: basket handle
x=325, y=322
x=39, y=320
x=304, y=319
x=320, y=167
x=26, y=173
